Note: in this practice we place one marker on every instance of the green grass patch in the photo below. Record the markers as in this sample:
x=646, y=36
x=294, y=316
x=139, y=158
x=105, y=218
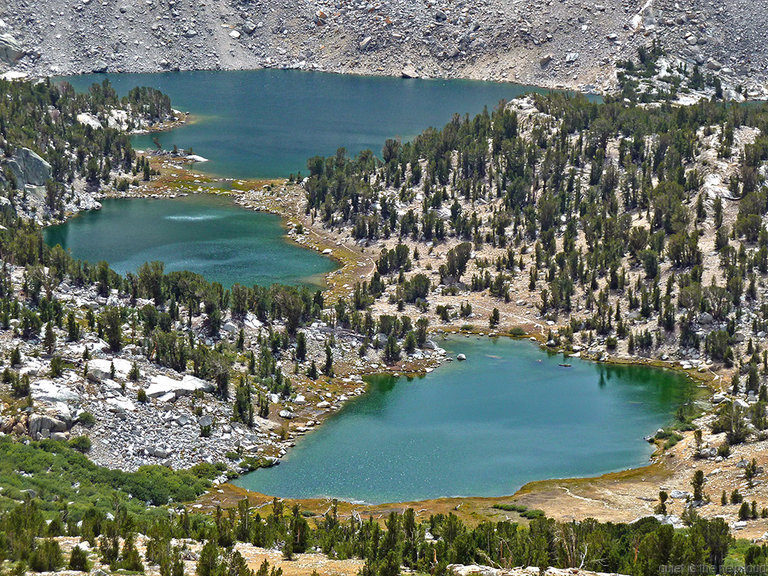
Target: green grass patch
x=737, y=552
x=670, y=437
x=524, y=511
x=59, y=474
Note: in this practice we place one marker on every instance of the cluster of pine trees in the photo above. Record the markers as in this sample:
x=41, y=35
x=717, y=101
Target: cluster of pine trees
x=43, y=117
x=600, y=208
x=161, y=326
x=425, y=545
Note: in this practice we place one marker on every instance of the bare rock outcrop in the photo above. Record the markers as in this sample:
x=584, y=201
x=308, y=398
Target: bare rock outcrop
x=559, y=43
x=10, y=49
x=27, y=168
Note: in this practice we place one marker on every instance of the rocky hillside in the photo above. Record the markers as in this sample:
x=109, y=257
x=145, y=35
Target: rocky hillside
x=545, y=42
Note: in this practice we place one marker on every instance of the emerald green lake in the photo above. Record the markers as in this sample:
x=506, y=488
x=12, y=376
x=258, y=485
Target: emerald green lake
x=508, y=415
x=267, y=123
x=205, y=234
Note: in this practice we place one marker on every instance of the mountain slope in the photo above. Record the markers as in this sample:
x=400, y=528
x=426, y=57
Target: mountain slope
x=545, y=42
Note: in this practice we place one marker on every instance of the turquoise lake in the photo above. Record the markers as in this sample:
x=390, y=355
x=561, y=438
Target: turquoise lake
x=206, y=234
x=508, y=415
x=267, y=123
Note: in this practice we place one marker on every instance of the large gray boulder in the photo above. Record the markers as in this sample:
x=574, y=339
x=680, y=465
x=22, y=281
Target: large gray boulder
x=49, y=392
x=705, y=318
x=42, y=426
x=10, y=48
x=28, y=168
x=162, y=385
x=100, y=369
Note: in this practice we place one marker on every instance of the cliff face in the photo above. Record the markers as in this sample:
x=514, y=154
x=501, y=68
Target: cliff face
x=571, y=43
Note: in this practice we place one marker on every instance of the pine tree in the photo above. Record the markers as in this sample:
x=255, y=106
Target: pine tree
x=735, y=382
x=113, y=328
x=49, y=340
x=410, y=342
x=243, y=407
x=301, y=347
x=263, y=404
x=661, y=507
x=73, y=328
x=134, y=374
x=46, y=557
x=750, y=471
x=391, y=349
x=57, y=366
x=328, y=368
x=15, y=359
x=208, y=562
x=78, y=560
x=744, y=512
x=697, y=438
x=698, y=486
x=130, y=559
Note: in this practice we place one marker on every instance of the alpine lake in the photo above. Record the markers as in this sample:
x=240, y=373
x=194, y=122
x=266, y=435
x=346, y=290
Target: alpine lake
x=508, y=415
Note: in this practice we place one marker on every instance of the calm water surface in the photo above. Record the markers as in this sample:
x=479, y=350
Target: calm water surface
x=484, y=427
x=267, y=123
x=205, y=234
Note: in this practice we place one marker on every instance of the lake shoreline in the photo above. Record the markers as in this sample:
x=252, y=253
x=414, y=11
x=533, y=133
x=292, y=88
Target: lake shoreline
x=286, y=199
x=543, y=82
x=257, y=195
x=552, y=495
